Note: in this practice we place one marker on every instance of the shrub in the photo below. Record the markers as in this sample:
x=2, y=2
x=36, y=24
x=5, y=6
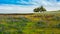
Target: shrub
x=58, y=26
x=40, y=24
x=19, y=32
x=7, y=32
x=56, y=18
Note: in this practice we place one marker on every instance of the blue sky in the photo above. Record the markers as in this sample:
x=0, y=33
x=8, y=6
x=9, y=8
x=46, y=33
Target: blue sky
x=27, y=6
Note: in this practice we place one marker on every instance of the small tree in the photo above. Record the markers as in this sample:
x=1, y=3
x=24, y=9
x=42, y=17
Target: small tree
x=36, y=10
x=42, y=9
x=39, y=9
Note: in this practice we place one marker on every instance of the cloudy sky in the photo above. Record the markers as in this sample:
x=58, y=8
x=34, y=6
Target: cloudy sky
x=27, y=6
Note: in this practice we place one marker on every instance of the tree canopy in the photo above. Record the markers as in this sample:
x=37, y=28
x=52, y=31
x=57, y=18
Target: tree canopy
x=39, y=9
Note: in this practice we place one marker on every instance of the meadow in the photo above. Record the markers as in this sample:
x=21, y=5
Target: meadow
x=35, y=23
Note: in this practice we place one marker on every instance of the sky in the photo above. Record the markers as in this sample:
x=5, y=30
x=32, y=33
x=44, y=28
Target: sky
x=27, y=6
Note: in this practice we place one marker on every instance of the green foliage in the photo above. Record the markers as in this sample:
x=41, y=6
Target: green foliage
x=40, y=24
x=57, y=26
x=56, y=18
x=42, y=9
x=36, y=10
x=29, y=25
x=39, y=9
x=19, y=32
x=6, y=33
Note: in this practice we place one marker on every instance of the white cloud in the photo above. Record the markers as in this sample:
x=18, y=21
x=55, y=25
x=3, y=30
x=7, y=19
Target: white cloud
x=49, y=5
x=16, y=9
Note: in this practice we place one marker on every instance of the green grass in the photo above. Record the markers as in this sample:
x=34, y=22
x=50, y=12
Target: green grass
x=37, y=23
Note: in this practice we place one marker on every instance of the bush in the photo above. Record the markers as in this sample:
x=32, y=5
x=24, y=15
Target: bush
x=19, y=32
x=58, y=26
x=56, y=18
x=40, y=24
x=6, y=32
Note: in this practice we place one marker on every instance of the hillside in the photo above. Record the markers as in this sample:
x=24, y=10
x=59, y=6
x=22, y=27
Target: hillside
x=33, y=23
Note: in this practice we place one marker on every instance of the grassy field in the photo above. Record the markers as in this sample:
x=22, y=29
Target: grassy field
x=36, y=23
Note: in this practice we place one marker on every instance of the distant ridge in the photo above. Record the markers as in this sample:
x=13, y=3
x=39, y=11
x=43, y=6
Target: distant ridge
x=28, y=13
x=16, y=13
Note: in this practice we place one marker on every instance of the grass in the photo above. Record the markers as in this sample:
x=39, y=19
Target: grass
x=37, y=23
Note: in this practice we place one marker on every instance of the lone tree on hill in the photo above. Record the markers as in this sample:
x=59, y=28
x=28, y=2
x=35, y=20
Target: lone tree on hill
x=36, y=9
x=39, y=9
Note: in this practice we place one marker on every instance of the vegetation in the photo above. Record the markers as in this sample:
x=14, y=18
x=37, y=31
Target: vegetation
x=39, y=9
x=41, y=23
